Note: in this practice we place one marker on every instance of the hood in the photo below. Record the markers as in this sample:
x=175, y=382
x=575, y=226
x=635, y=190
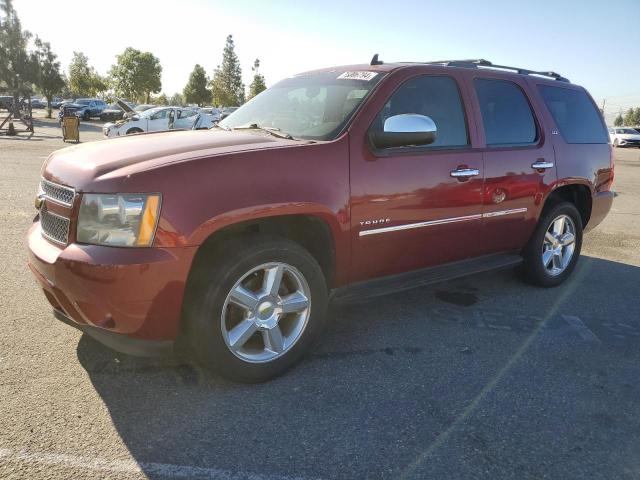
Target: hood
x=94, y=166
x=124, y=106
x=628, y=136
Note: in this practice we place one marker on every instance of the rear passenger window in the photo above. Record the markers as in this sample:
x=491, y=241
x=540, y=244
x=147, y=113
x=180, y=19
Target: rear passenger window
x=506, y=114
x=437, y=97
x=575, y=114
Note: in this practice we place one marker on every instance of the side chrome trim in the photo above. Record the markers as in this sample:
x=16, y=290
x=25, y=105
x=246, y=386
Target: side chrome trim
x=409, y=226
x=503, y=212
x=442, y=221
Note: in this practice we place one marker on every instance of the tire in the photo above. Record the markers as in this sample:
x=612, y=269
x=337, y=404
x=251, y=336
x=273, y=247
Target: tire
x=615, y=143
x=212, y=315
x=558, y=267
x=134, y=130
x=86, y=117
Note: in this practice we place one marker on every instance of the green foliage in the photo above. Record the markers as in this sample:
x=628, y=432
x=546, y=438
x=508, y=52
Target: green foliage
x=196, y=90
x=84, y=81
x=226, y=85
x=636, y=117
x=161, y=99
x=176, y=100
x=258, y=84
x=18, y=65
x=630, y=118
x=136, y=75
x=50, y=81
x=618, y=121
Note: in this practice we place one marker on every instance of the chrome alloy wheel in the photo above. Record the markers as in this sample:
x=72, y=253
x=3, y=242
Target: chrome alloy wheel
x=266, y=312
x=558, y=245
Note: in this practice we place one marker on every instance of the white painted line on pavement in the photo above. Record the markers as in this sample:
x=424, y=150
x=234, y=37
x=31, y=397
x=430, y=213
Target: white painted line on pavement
x=579, y=326
x=131, y=466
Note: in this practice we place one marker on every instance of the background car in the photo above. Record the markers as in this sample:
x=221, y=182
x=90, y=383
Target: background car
x=226, y=111
x=624, y=137
x=204, y=121
x=55, y=102
x=6, y=101
x=37, y=102
x=94, y=107
x=152, y=120
x=116, y=111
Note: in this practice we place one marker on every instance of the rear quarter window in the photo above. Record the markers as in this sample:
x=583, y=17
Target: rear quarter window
x=506, y=113
x=575, y=114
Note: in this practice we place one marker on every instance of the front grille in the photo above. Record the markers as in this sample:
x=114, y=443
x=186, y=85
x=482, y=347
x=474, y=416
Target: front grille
x=58, y=193
x=54, y=227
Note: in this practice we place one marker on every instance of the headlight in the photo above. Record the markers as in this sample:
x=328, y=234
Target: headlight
x=123, y=220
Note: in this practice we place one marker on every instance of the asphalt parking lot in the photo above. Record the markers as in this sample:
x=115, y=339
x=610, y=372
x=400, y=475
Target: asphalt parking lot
x=484, y=377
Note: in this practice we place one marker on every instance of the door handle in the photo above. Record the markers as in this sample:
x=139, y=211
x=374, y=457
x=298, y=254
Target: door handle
x=465, y=172
x=541, y=165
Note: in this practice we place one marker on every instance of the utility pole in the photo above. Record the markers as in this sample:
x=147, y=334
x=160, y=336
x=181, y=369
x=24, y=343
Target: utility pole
x=604, y=102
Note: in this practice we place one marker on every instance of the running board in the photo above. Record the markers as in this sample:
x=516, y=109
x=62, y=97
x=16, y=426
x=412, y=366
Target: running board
x=425, y=276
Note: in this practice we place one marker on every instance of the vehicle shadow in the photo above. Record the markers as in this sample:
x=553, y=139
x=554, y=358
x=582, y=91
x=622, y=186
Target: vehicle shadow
x=387, y=380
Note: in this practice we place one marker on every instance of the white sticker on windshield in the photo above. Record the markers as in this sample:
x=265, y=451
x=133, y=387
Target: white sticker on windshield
x=366, y=76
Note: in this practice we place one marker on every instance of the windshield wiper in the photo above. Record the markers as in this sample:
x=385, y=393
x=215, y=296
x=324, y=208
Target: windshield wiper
x=276, y=132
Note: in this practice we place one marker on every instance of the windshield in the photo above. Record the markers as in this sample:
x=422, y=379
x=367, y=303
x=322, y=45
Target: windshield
x=316, y=106
x=82, y=102
x=627, y=131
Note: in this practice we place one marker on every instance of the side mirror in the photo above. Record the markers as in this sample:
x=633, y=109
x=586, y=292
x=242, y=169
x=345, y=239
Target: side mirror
x=406, y=130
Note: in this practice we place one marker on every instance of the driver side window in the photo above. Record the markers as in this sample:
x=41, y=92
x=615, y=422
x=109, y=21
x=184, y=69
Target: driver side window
x=159, y=115
x=436, y=97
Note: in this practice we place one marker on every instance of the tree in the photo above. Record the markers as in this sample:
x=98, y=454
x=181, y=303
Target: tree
x=629, y=117
x=84, y=81
x=618, y=121
x=161, y=99
x=636, y=117
x=196, y=90
x=136, y=75
x=226, y=85
x=50, y=81
x=18, y=66
x=176, y=100
x=258, y=84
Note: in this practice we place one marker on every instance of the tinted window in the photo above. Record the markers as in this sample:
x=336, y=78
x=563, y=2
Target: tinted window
x=575, y=114
x=506, y=114
x=436, y=97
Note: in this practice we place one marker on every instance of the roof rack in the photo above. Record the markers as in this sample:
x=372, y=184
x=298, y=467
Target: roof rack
x=482, y=63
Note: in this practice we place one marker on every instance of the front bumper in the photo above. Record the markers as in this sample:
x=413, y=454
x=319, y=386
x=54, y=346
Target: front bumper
x=120, y=296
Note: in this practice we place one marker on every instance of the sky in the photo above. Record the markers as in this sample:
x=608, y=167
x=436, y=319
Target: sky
x=593, y=43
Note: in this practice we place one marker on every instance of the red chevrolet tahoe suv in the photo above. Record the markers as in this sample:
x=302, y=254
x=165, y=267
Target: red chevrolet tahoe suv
x=355, y=180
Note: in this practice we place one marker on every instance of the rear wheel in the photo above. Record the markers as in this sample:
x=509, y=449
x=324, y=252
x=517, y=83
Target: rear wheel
x=554, y=248
x=86, y=117
x=256, y=309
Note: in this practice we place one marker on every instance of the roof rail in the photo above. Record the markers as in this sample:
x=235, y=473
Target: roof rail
x=482, y=63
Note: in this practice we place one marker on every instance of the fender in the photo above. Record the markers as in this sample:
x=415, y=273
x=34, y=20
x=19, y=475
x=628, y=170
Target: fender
x=338, y=224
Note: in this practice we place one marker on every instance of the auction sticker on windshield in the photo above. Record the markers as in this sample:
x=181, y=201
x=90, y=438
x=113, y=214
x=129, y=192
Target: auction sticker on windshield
x=358, y=76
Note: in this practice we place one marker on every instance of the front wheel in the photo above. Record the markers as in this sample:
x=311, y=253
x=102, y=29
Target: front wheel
x=256, y=308
x=554, y=248
x=86, y=117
